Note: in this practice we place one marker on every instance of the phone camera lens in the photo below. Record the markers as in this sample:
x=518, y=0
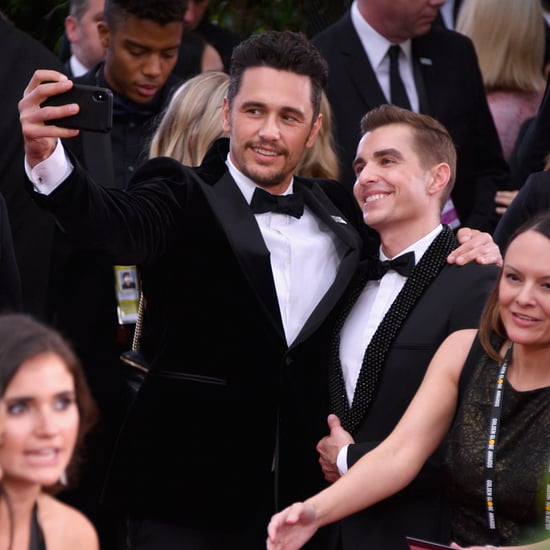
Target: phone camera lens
x=100, y=96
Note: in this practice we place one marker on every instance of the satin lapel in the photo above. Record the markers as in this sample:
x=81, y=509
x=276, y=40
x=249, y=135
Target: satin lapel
x=323, y=208
x=354, y=56
x=425, y=271
x=245, y=238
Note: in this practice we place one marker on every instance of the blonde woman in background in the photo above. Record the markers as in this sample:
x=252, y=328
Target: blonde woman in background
x=509, y=41
x=320, y=161
x=192, y=122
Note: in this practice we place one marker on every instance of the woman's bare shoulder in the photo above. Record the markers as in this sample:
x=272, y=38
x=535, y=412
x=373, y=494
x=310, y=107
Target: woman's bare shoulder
x=65, y=527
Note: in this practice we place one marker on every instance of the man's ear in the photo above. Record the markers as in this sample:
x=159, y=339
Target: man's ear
x=316, y=127
x=71, y=25
x=226, y=123
x=104, y=33
x=441, y=173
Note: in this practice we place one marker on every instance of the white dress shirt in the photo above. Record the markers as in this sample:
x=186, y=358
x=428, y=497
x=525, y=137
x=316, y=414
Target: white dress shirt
x=447, y=13
x=304, y=255
x=77, y=68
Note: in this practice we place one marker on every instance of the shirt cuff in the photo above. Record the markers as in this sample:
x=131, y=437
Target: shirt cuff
x=342, y=460
x=47, y=175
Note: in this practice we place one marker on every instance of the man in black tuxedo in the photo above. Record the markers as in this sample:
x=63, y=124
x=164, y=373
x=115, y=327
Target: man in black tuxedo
x=441, y=77
x=392, y=322
x=225, y=335
x=241, y=278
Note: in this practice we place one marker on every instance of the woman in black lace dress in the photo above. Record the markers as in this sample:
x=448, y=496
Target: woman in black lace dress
x=489, y=390
x=46, y=409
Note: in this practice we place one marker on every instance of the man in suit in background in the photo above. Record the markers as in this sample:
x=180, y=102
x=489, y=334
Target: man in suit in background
x=86, y=49
x=441, y=77
x=392, y=322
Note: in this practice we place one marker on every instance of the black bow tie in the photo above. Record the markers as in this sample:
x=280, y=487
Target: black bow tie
x=262, y=201
x=403, y=264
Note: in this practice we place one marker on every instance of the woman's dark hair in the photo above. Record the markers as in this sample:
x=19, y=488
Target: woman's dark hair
x=21, y=338
x=283, y=51
x=491, y=322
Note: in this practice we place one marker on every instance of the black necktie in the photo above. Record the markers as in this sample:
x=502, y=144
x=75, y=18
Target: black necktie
x=262, y=201
x=397, y=88
x=403, y=264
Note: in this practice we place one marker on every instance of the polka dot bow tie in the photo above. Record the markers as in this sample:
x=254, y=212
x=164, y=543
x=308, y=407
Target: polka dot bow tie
x=403, y=264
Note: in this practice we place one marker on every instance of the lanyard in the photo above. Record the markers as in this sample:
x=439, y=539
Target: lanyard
x=494, y=426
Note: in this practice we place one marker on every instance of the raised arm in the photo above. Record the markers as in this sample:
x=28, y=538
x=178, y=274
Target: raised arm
x=40, y=138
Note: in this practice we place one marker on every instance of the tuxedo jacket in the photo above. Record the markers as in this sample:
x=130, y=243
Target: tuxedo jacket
x=451, y=300
x=199, y=442
x=450, y=89
x=533, y=197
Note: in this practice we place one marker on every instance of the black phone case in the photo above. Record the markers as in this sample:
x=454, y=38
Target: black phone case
x=96, y=108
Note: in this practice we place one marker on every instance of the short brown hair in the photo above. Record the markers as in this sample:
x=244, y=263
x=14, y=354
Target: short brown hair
x=431, y=140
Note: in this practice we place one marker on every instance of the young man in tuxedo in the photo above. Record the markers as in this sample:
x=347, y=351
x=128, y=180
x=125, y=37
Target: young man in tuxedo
x=392, y=321
x=439, y=72
x=242, y=265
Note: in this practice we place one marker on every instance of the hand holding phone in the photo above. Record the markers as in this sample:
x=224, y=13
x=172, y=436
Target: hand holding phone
x=96, y=108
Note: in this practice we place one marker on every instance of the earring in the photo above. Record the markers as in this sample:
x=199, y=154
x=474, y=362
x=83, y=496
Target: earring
x=63, y=479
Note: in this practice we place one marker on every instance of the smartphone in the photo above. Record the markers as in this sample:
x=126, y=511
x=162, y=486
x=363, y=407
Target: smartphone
x=96, y=108
x=419, y=544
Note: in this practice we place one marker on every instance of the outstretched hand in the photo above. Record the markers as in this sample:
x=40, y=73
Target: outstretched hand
x=40, y=138
x=292, y=528
x=475, y=245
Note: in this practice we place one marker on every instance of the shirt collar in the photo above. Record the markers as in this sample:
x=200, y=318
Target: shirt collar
x=374, y=44
x=77, y=68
